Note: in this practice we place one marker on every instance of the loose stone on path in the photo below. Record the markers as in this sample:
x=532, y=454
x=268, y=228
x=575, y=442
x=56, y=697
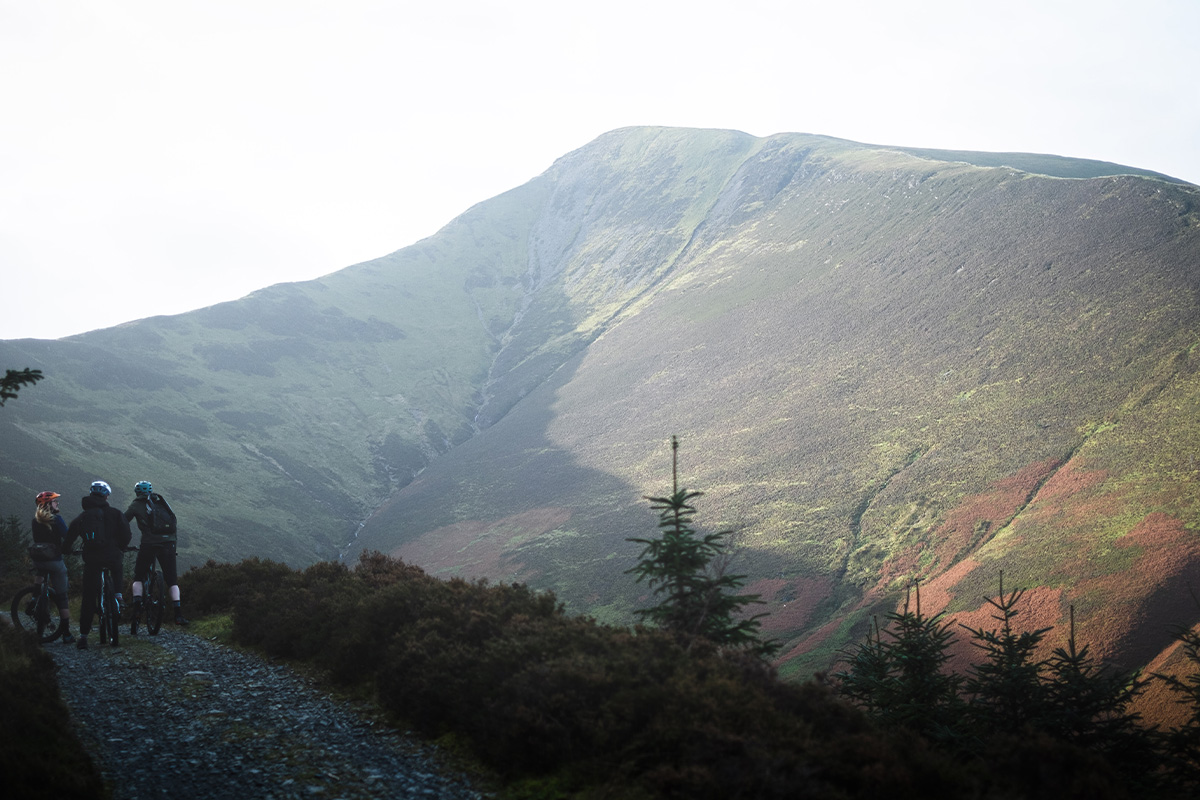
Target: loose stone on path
x=176, y=716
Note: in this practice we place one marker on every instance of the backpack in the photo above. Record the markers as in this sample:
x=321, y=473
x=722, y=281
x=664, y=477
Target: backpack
x=91, y=526
x=162, y=518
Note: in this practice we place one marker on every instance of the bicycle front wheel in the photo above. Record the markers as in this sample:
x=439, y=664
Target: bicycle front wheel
x=114, y=622
x=103, y=610
x=154, y=602
x=31, y=611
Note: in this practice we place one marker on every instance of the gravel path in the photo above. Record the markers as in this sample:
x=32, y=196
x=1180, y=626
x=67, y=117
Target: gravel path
x=178, y=716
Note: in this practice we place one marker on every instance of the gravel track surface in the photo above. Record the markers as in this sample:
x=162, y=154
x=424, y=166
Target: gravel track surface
x=177, y=716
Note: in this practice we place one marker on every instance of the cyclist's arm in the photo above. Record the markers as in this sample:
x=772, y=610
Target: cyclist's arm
x=70, y=535
x=124, y=533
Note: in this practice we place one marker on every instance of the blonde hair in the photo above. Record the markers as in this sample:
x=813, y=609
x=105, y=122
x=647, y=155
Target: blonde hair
x=44, y=514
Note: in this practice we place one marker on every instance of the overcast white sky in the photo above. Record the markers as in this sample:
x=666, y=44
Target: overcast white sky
x=157, y=156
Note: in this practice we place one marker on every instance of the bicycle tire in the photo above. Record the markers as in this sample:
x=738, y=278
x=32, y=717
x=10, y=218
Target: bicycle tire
x=39, y=619
x=114, y=623
x=102, y=607
x=154, y=602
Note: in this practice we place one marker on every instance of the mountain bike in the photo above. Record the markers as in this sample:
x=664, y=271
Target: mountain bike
x=107, y=608
x=35, y=609
x=152, y=603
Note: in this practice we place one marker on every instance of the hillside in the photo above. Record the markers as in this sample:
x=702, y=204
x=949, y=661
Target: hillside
x=883, y=364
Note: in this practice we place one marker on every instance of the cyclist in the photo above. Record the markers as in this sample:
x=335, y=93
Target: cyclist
x=48, y=530
x=152, y=545
x=104, y=532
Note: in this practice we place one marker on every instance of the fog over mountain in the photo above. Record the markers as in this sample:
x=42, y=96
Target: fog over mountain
x=883, y=364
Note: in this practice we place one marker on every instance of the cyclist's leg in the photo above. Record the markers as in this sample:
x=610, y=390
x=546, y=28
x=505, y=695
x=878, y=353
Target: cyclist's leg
x=117, y=571
x=141, y=568
x=91, y=587
x=166, y=558
x=57, y=574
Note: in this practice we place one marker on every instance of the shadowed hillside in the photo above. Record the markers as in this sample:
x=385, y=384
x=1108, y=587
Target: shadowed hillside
x=883, y=364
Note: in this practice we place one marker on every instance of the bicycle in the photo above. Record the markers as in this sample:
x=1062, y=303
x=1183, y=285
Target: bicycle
x=107, y=608
x=35, y=609
x=152, y=603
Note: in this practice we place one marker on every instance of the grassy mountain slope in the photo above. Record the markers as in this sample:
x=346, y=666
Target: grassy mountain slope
x=881, y=368
x=275, y=423
x=883, y=364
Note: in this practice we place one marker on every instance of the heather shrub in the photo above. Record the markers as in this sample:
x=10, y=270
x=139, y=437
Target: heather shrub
x=298, y=617
x=215, y=588
x=377, y=570
x=535, y=692
x=569, y=707
x=40, y=754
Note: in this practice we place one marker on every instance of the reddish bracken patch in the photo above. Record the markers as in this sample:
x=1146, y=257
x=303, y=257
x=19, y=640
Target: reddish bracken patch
x=1148, y=597
x=977, y=518
x=790, y=603
x=1158, y=703
x=1070, y=499
x=1069, y=481
x=818, y=637
x=1040, y=607
x=937, y=593
x=766, y=589
x=971, y=523
x=479, y=548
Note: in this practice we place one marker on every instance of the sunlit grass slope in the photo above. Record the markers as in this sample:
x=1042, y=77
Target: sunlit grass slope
x=878, y=365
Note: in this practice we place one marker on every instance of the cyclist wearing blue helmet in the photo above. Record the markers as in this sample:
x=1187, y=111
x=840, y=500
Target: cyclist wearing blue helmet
x=156, y=542
x=105, y=533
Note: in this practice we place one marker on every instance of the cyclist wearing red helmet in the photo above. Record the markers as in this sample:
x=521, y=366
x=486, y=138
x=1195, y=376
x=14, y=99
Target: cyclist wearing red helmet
x=48, y=530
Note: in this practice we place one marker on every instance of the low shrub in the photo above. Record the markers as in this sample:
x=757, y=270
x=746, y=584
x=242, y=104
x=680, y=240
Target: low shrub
x=542, y=696
x=215, y=587
x=563, y=704
x=40, y=754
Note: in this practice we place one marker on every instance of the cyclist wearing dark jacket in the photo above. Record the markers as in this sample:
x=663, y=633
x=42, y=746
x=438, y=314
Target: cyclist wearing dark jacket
x=105, y=534
x=49, y=529
x=151, y=546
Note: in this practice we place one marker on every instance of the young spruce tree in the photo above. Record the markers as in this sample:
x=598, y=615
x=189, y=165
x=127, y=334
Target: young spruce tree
x=1006, y=690
x=688, y=571
x=899, y=675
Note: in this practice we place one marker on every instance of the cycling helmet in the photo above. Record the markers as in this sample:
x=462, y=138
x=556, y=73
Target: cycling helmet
x=101, y=488
x=45, y=497
x=142, y=488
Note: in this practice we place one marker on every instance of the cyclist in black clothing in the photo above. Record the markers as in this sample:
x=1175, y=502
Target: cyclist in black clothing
x=48, y=530
x=152, y=545
x=104, y=532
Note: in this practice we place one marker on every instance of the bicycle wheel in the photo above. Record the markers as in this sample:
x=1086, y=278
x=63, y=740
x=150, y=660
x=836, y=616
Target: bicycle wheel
x=154, y=602
x=114, y=622
x=31, y=610
x=102, y=610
